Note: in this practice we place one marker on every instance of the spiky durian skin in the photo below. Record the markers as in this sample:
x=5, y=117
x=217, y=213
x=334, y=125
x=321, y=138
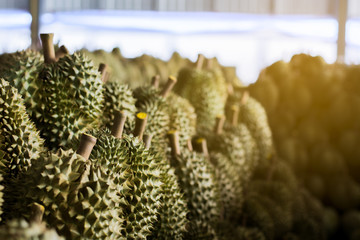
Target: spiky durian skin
x=79, y=198
x=1, y=195
x=230, y=187
x=22, y=143
x=71, y=102
x=196, y=180
x=138, y=175
x=148, y=100
x=21, y=70
x=19, y=229
x=182, y=117
x=172, y=219
x=253, y=115
x=118, y=97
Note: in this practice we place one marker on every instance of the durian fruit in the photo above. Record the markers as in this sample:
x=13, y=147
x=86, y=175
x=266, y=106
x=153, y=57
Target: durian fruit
x=21, y=70
x=71, y=96
x=21, y=142
x=20, y=229
x=1, y=194
x=204, y=91
x=253, y=115
x=118, y=97
x=182, y=117
x=153, y=102
x=197, y=182
x=136, y=172
x=79, y=197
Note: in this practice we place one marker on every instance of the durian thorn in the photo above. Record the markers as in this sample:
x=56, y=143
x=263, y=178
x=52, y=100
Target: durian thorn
x=140, y=124
x=168, y=86
x=244, y=97
x=219, y=124
x=234, y=115
x=174, y=142
x=200, y=61
x=48, y=47
x=61, y=52
x=37, y=213
x=189, y=145
x=118, y=124
x=147, y=140
x=87, y=142
x=155, y=81
x=85, y=174
x=201, y=146
x=104, y=73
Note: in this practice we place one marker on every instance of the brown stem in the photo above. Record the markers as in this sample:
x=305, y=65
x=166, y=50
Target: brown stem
x=48, y=47
x=140, y=124
x=155, y=81
x=147, y=140
x=168, y=86
x=189, y=145
x=174, y=142
x=234, y=115
x=61, y=52
x=209, y=63
x=245, y=97
x=230, y=89
x=119, y=123
x=104, y=73
x=201, y=146
x=86, y=145
x=219, y=125
x=37, y=213
x=200, y=61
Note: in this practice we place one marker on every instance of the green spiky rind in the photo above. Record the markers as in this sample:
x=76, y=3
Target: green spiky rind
x=253, y=115
x=203, y=93
x=1, y=194
x=148, y=100
x=137, y=175
x=182, y=117
x=19, y=229
x=172, y=219
x=197, y=182
x=118, y=97
x=71, y=102
x=80, y=199
x=229, y=185
x=22, y=142
x=21, y=70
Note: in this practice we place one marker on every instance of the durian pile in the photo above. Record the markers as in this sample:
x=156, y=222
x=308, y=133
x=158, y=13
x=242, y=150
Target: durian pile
x=314, y=112
x=97, y=146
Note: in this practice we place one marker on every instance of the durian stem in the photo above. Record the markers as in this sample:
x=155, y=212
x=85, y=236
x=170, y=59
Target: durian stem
x=37, y=213
x=209, y=63
x=61, y=52
x=234, y=115
x=219, y=125
x=174, y=142
x=86, y=145
x=244, y=97
x=48, y=47
x=155, y=81
x=104, y=73
x=230, y=89
x=119, y=123
x=168, y=86
x=147, y=140
x=200, y=61
x=189, y=145
x=201, y=146
x=140, y=124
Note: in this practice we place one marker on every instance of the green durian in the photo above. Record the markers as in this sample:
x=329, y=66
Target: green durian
x=196, y=179
x=21, y=142
x=21, y=70
x=71, y=99
x=182, y=118
x=136, y=169
x=118, y=97
x=79, y=197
